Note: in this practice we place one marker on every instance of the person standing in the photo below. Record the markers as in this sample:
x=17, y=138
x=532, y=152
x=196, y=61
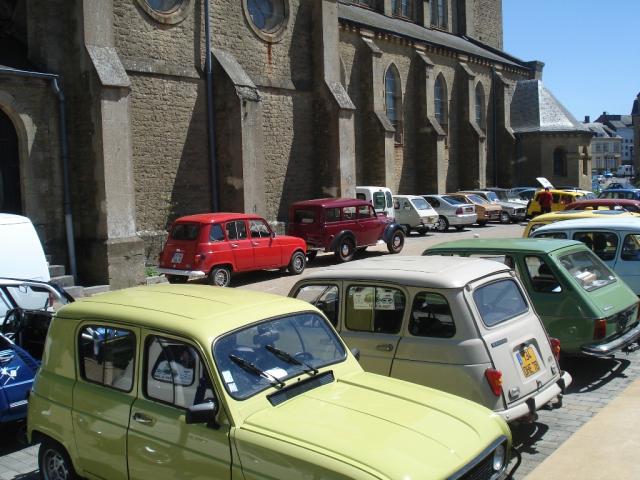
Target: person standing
x=545, y=199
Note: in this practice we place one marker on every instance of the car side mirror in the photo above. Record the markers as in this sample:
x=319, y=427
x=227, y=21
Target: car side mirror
x=356, y=353
x=203, y=413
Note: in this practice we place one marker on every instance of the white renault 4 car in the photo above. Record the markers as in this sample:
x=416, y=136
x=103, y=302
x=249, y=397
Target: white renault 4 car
x=465, y=326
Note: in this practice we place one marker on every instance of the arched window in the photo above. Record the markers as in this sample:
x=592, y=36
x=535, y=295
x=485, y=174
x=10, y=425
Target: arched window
x=480, y=114
x=559, y=162
x=402, y=8
x=393, y=100
x=440, y=101
x=439, y=13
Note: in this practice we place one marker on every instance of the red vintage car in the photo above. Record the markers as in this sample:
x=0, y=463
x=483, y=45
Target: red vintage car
x=606, y=204
x=214, y=245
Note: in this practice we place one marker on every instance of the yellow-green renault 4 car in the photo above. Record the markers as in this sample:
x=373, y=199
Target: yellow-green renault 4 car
x=195, y=382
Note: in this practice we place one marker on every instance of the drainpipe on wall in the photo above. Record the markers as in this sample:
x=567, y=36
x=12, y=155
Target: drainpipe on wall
x=211, y=134
x=64, y=157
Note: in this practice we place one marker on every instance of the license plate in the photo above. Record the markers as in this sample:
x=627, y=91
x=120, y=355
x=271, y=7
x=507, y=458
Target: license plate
x=528, y=361
x=177, y=257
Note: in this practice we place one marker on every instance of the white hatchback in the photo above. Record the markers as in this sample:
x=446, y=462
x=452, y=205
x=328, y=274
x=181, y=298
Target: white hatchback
x=465, y=326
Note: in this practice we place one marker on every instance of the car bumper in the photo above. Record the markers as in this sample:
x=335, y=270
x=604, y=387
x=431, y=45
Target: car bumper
x=183, y=273
x=535, y=402
x=466, y=219
x=618, y=343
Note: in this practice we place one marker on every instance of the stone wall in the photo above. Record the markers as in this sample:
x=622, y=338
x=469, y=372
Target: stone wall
x=487, y=22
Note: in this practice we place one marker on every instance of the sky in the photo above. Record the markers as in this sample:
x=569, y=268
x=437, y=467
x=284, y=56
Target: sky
x=592, y=60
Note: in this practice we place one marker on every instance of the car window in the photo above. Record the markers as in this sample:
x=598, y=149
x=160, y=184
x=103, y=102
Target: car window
x=588, y=270
x=380, y=201
x=542, y=278
x=29, y=298
x=307, y=337
x=332, y=214
x=216, y=234
x=305, y=216
x=389, y=198
x=496, y=257
x=324, y=297
x=420, y=203
x=431, y=316
x=454, y=200
x=107, y=356
x=259, y=229
x=560, y=235
x=5, y=305
x=374, y=309
x=236, y=230
x=349, y=213
x=185, y=231
x=499, y=301
x=361, y=196
x=478, y=199
x=491, y=196
x=175, y=373
x=433, y=202
x=365, y=211
x=631, y=248
x=603, y=244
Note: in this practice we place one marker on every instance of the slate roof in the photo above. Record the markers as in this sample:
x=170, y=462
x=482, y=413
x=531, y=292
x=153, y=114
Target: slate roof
x=600, y=130
x=535, y=109
x=369, y=18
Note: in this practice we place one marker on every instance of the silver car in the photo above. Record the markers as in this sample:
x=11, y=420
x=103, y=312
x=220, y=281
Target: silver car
x=452, y=212
x=512, y=211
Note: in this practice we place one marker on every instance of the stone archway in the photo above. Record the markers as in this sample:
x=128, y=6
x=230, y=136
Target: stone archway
x=10, y=191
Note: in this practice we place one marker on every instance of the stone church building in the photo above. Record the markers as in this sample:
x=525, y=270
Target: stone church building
x=105, y=135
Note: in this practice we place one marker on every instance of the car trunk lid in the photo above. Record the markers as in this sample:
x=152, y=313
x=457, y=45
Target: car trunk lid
x=182, y=246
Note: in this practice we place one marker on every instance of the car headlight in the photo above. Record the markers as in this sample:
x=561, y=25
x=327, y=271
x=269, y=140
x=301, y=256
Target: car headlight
x=499, y=458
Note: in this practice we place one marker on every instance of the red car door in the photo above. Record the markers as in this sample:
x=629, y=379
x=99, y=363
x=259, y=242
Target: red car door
x=369, y=230
x=267, y=252
x=241, y=245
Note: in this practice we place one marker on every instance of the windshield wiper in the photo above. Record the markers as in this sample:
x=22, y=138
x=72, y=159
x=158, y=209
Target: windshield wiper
x=287, y=357
x=251, y=368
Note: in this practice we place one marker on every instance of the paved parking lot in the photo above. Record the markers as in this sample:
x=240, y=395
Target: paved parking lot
x=595, y=381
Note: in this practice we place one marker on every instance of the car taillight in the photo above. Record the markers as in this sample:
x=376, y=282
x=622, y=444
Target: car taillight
x=459, y=211
x=494, y=377
x=600, y=329
x=555, y=348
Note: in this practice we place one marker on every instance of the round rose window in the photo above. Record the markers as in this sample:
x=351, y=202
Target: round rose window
x=268, y=16
x=164, y=6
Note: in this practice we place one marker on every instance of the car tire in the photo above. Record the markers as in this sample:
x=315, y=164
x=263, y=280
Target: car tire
x=443, y=224
x=345, y=250
x=422, y=231
x=482, y=223
x=177, y=278
x=504, y=217
x=297, y=263
x=54, y=462
x=220, y=276
x=407, y=229
x=311, y=255
x=397, y=242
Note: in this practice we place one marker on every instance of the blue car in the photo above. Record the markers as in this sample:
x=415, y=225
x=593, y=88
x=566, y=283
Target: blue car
x=626, y=193
x=17, y=370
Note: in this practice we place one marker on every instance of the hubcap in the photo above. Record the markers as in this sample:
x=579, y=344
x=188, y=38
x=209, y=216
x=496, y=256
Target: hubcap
x=441, y=225
x=396, y=241
x=345, y=249
x=297, y=262
x=221, y=278
x=55, y=466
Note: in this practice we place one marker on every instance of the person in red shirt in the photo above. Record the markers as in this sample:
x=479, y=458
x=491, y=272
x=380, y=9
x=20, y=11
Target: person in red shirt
x=545, y=199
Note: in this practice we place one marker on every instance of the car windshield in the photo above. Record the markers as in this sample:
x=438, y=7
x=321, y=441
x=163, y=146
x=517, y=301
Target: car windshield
x=420, y=204
x=587, y=269
x=185, y=231
x=492, y=196
x=477, y=199
x=452, y=200
x=268, y=353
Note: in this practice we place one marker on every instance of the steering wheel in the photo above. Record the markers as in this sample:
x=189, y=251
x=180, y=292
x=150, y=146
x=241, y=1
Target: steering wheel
x=303, y=357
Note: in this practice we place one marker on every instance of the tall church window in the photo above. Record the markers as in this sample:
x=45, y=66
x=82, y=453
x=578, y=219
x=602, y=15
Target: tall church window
x=402, y=8
x=393, y=100
x=440, y=101
x=480, y=113
x=560, y=162
x=439, y=13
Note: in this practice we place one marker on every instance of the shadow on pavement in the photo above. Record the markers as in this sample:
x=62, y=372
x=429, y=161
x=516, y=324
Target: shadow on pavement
x=590, y=374
x=525, y=435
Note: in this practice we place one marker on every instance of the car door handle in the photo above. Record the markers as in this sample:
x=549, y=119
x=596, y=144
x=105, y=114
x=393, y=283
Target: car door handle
x=255, y=244
x=143, y=419
x=385, y=347
x=234, y=245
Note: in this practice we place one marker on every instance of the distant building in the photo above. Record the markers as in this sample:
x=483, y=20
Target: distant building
x=605, y=146
x=622, y=125
x=635, y=115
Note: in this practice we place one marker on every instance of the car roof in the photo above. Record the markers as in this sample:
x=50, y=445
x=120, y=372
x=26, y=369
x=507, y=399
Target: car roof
x=606, y=202
x=506, y=245
x=583, y=214
x=611, y=223
x=215, y=217
x=431, y=271
x=330, y=202
x=407, y=196
x=621, y=190
x=11, y=219
x=196, y=311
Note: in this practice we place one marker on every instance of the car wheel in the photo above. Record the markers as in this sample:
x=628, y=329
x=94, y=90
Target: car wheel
x=443, y=224
x=54, y=462
x=297, y=263
x=397, y=242
x=422, y=231
x=220, y=276
x=504, y=217
x=346, y=249
x=482, y=223
x=177, y=278
x=311, y=254
x=407, y=229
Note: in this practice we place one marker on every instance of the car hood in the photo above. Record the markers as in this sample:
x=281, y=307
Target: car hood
x=512, y=204
x=367, y=419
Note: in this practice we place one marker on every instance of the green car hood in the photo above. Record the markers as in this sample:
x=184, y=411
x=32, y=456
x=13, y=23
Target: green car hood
x=388, y=427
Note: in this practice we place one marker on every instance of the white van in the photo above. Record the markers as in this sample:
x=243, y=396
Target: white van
x=625, y=171
x=21, y=254
x=380, y=197
x=413, y=212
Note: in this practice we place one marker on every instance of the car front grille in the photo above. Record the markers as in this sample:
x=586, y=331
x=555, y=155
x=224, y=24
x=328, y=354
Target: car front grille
x=481, y=467
x=482, y=471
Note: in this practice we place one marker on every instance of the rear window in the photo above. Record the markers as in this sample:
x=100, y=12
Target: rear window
x=499, y=301
x=453, y=200
x=477, y=199
x=380, y=201
x=588, y=270
x=304, y=216
x=420, y=204
x=185, y=231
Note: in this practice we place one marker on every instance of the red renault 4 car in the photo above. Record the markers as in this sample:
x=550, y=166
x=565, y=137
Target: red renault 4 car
x=342, y=226
x=213, y=245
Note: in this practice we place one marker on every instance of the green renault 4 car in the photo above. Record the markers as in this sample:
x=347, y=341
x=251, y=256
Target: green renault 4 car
x=195, y=382
x=580, y=300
